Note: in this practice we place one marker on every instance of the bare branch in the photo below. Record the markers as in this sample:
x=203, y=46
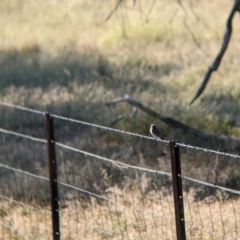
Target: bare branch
x=133, y=102
x=196, y=16
x=150, y=9
x=218, y=59
x=120, y=117
x=114, y=10
x=170, y=121
x=188, y=28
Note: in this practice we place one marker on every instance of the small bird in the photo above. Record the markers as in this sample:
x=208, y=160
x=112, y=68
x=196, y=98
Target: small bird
x=155, y=132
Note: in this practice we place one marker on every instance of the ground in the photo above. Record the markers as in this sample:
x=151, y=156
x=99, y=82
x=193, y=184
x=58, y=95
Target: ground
x=65, y=58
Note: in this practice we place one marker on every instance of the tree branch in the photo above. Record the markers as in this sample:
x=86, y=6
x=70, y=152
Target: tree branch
x=218, y=59
x=170, y=121
x=114, y=10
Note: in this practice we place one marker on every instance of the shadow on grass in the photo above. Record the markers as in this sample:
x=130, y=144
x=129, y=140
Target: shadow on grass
x=73, y=83
x=76, y=84
x=224, y=106
x=31, y=68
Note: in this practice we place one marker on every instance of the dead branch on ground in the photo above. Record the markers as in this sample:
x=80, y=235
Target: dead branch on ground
x=170, y=121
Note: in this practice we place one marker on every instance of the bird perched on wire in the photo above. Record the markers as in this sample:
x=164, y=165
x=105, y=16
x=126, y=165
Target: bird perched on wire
x=155, y=132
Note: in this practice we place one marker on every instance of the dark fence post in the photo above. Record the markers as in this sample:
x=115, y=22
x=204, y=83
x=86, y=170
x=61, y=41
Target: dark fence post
x=177, y=191
x=52, y=165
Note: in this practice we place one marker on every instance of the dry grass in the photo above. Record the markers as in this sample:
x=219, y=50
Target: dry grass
x=62, y=57
x=136, y=204
x=124, y=219
x=67, y=59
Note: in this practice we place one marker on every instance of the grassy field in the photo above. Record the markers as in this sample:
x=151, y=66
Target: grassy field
x=64, y=57
x=124, y=219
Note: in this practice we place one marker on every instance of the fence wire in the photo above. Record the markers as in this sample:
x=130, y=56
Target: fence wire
x=211, y=211
x=23, y=221
x=19, y=220
x=103, y=191
x=76, y=121
x=113, y=200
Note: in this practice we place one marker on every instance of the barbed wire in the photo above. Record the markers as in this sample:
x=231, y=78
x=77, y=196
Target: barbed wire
x=118, y=131
x=108, y=128
x=80, y=122
x=105, y=199
x=23, y=135
x=23, y=172
x=120, y=165
x=210, y=185
x=114, y=162
x=21, y=108
x=208, y=150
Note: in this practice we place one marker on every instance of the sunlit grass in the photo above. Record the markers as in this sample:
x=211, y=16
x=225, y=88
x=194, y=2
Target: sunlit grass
x=63, y=57
x=55, y=53
x=78, y=220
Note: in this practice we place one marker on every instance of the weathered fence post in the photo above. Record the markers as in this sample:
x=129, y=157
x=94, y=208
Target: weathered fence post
x=52, y=165
x=177, y=191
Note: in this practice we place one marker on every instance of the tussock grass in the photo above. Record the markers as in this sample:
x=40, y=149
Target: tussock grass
x=62, y=57
x=124, y=219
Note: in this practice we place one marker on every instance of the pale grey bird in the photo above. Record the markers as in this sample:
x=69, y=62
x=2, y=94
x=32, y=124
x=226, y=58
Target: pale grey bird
x=155, y=132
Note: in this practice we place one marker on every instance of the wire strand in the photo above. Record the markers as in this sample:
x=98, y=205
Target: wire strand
x=23, y=172
x=23, y=135
x=211, y=185
x=117, y=130
x=116, y=163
